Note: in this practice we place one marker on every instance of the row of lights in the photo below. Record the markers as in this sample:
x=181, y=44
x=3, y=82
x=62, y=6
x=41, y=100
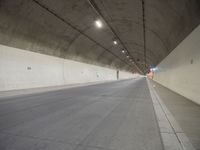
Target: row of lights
x=99, y=24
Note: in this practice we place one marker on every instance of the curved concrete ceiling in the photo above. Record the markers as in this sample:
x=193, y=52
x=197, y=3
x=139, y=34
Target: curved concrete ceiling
x=65, y=28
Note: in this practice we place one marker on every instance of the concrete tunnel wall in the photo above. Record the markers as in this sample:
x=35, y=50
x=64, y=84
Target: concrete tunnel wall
x=180, y=70
x=20, y=69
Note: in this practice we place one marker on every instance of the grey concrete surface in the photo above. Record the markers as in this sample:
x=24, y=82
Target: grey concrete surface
x=26, y=25
x=185, y=112
x=109, y=116
x=173, y=136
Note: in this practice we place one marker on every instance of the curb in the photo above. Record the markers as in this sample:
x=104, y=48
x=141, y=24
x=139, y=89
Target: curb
x=172, y=135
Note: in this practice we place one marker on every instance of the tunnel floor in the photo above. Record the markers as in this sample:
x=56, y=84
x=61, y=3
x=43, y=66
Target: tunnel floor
x=110, y=116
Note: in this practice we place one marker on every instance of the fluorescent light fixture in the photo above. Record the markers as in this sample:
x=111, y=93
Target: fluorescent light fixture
x=98, y=23
x=115, y=42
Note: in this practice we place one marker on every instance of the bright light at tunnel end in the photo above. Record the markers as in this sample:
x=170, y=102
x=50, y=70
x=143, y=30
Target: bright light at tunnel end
x=154, y=69
x=98, y=23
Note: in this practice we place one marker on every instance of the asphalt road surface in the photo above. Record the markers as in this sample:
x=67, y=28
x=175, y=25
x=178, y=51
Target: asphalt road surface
x=109, y=116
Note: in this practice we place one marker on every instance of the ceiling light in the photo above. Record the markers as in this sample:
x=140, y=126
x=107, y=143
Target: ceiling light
x=127, y=56
x=98, y=24
x=123, y=51
x=115, y=42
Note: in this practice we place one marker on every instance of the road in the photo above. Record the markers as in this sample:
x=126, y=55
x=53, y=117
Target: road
x=110, y=116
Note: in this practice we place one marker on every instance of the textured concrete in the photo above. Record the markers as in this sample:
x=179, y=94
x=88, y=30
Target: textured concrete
x=26, y=25
x=110, y=116
x=185, y=112
x=180, y=71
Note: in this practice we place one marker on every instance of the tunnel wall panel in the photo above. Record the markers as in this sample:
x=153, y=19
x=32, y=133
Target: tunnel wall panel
x=20, y=69
x=180, y=70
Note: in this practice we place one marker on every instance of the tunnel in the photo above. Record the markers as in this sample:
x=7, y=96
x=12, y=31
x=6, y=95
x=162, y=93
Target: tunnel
x=99, y=75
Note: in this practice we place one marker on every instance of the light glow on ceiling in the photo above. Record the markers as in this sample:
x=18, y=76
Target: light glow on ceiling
x=98, y=23
x=115, y=42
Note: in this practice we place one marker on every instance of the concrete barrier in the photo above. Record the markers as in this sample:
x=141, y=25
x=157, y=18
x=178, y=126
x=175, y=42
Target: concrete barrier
x=20, y=69
x=180, y=70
